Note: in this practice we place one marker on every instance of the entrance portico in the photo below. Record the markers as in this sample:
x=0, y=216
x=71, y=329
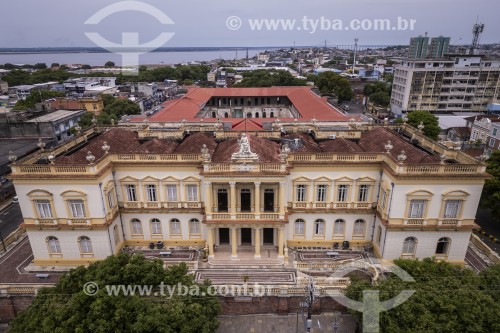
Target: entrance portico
x=245, y=236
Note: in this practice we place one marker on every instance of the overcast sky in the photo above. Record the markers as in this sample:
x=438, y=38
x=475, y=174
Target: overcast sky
x=60, y=23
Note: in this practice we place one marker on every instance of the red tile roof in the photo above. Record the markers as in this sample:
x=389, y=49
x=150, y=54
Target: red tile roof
x=157, y=146
x=193, y=143
x=305, y=101
x=309, y=145
x=375, y=140
x=340, y=145
x=120, y=141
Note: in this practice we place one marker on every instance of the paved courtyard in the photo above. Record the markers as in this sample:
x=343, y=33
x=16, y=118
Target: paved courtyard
x=291, y=323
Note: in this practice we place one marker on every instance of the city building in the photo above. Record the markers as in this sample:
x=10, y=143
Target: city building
x=229, y=107
x=91, y=85
x=458, y=83
x=59, y=123
x=438, y=47
x=418, y=47
x=291, y=186
x=93, y=104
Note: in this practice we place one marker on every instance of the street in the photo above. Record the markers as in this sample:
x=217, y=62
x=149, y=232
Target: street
x=10, y=219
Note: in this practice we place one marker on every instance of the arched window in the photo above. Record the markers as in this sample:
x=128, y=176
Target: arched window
x=155, y=226
x=53, y=244
x=249, y=115
x=136, y=226
x=409, y=246
x=339, y=227
x=226, y=115
x=299, y=227
x=214, y=114
x=443, y=245
x=272, y=115
x=256, y=115
x=85, y=244
x=359, y=228
x=194, y=227
x=319, y=227
x=175, y=227
x=263, y=114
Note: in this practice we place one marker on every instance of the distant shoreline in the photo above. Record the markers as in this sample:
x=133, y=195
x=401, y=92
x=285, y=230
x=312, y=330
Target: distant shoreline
x=54, y=50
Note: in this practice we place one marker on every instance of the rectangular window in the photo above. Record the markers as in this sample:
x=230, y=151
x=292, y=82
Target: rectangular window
x=342, y=193
x=338, y=227
x=452, y=209
x=192, y=191
x=359, y=228
x=44, y=209
x=321, y=193
x=492, y=142
x=416, y=209
x=111, y=199
x=299, y=228
x=363, y=193
x=151, y=192
x=131, y=193
x=494, y=131
x=301, y=193
x=116, y=234
x=77, y=208
x=171, y=192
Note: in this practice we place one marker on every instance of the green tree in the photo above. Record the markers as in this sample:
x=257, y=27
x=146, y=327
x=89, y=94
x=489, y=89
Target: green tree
x=380, y=98
x=448, y=298
x=36, y=96
x=122, y=107
x=429, y=120
x=86, y=119
x=329, y=82
x=490, y=197
x=40, y=65
x=109, y=64
x=66, y=308
x=269, y=78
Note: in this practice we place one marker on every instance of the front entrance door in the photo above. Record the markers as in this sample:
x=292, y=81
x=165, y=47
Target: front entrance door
x=245, y=200
x=246, y=236
x=224, y=236
x=222, y=200
x=268, y=236
x=269, y=200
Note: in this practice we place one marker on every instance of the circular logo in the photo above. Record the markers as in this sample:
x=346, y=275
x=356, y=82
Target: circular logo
x=90, y=288
x=234, y=23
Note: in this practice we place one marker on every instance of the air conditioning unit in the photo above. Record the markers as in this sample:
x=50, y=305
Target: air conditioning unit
x=333, y=136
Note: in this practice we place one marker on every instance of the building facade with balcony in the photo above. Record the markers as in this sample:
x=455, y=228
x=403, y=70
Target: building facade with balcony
x=391, y=187
x=455, y=83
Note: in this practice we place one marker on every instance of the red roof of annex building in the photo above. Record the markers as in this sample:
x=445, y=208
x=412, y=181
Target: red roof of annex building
x=307, y=103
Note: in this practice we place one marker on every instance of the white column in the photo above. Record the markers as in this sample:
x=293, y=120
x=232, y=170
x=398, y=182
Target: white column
x=208, y=200
x=234, y=243
x=282, y=201
x=257, y=200
x=257, y=242
x=233, y=199
x=210, y=241
x=182, y=193
x=280, y=242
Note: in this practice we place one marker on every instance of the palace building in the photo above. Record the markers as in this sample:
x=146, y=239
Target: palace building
x=307, y=183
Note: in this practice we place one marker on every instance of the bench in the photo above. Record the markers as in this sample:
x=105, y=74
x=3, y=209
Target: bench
x=332, y=254
x=165, y=253
x=42, y=276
